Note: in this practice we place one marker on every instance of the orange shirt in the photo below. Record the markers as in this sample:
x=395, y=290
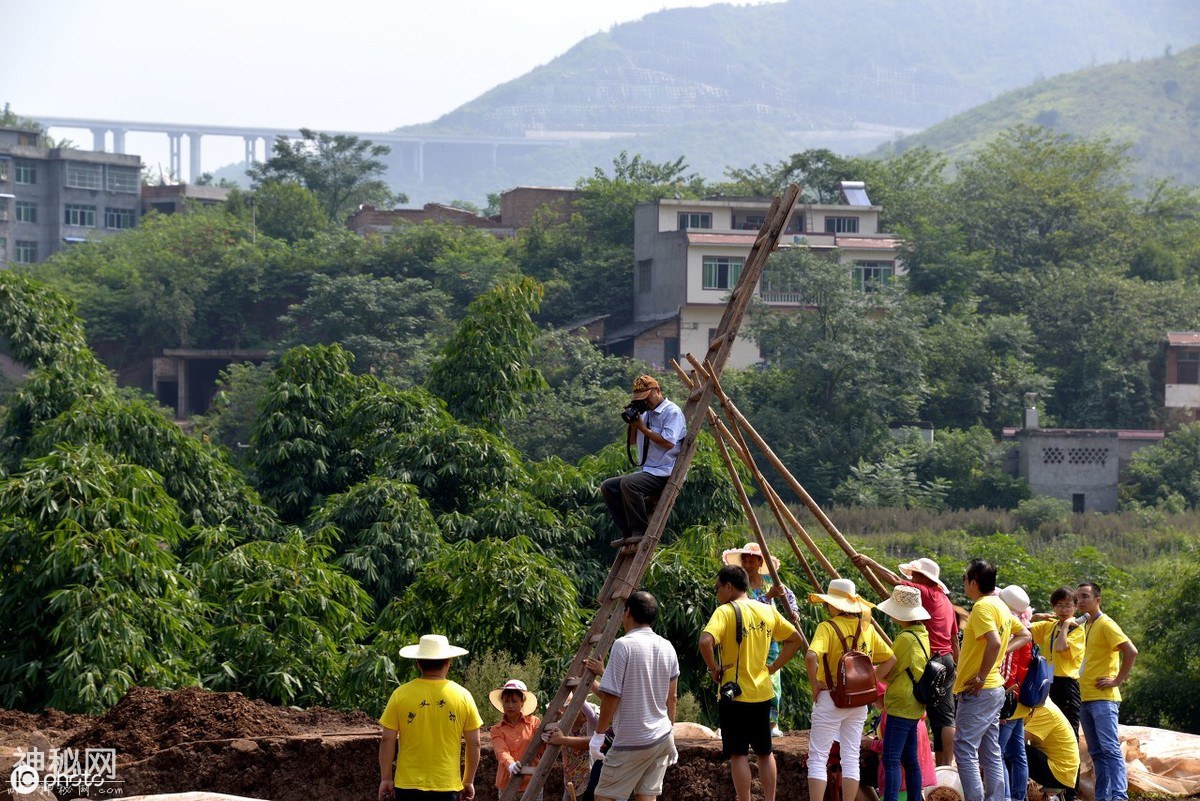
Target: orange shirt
x=509, y=741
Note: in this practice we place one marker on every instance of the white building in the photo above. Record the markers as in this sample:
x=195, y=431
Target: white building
x=689, y=254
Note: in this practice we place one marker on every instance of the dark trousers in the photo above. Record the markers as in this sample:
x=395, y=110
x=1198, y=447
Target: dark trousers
x=900, y=748
x=1039, y=771
x=625, y=496
x=1064, y=692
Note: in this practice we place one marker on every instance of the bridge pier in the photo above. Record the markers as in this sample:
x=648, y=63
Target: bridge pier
x=118, y=140
x=269, y=147
x=419, y=161
x=251, y=143
x=176, y=165
x=99, y=135
x=194, y=170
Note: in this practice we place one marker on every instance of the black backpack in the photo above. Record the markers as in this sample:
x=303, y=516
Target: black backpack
x=934, y=683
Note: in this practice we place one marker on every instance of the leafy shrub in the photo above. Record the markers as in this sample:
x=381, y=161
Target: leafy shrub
x=1033, y=513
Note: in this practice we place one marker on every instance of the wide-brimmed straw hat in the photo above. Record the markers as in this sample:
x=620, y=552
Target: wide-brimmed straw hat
x=642, y=386
x=733, y=556
x=496, y=696
x=905, y=605
x=926, y=567
x=1015, y=597
x=842, y=595
x=432, y=646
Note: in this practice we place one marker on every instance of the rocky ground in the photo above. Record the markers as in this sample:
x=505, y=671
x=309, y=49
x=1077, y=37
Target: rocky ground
x=223, y=742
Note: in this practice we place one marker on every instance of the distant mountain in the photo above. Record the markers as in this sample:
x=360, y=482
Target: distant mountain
x=1154, y=105
x=729, y=85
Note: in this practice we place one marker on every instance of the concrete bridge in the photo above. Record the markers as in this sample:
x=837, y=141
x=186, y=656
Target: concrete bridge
x=411, y=148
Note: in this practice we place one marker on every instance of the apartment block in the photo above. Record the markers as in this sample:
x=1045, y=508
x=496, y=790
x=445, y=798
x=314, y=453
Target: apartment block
x=52, y=198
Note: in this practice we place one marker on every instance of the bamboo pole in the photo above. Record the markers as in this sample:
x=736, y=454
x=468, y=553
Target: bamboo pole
x=738, y=418
x=758, y=535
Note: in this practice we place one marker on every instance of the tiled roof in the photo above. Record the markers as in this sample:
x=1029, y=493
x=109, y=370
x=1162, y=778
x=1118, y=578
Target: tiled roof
x=1122, y=433
x=1189, y=338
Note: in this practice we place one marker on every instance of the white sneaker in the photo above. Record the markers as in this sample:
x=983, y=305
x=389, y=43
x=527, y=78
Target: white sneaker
x=775, y=732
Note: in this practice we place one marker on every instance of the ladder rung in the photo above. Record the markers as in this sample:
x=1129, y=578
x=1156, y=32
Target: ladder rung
x=594, y=639
x=526, y=770
x=574, y=681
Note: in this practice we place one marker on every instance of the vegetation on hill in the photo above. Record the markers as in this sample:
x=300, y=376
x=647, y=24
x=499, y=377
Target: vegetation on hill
x=1153, y=105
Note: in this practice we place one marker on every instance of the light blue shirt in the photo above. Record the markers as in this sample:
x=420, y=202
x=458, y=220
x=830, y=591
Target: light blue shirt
x=667, y=421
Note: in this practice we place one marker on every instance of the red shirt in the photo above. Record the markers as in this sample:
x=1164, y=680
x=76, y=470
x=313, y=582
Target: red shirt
x=943, y=622
x=1016, y=665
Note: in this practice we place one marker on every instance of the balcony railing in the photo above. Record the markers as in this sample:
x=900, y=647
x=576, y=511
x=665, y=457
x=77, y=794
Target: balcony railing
x=794, y=298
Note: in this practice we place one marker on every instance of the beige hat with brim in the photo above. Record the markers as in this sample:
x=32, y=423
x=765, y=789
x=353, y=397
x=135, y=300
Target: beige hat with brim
x=432, y=646
x=926, y=567
x=733, y=556
x=842, y=595
x=497, y=696
x=904, y=605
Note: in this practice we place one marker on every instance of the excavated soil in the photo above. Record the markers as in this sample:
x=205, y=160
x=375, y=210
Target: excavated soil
x=223, y=742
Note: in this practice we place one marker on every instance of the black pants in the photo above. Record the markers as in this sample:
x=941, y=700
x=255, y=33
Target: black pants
x=1064, y=692
x=626, y=496
x=425, y=795
x=1039, y=771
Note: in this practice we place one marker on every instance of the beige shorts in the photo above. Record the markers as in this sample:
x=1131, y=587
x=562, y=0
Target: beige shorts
x=635, y=772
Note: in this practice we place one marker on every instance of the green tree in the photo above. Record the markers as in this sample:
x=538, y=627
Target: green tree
x=389, y=325
x=281, y=209
x=343, y=171
x=607, y=202
x=483, y=373
x=1167, y=474
x=234, y=408
x=91, y=602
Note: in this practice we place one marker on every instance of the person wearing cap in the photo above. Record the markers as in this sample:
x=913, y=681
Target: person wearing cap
x=656, y=432
x=1060, y=638
x=763, y=590
x=637, y=698
x=745, y=715
x=1013, y=669
x=1108, y=656
x=923, y=574
x=515, y=731
x=904, y=711
x=987, y=636
x=849, y=615
x=424, y=724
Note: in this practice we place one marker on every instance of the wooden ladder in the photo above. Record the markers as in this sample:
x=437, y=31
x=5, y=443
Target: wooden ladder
x=632, y=560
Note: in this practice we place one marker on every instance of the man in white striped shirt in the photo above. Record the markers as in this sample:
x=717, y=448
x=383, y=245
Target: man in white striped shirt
x=637, y=697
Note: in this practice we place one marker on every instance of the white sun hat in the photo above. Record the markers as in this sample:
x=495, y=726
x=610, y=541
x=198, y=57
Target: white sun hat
x=926, y=567
x=905, y=605
x=1016, y=598
x=733, y=556
x=842, y=595
x=432, y=646
x=496, y=696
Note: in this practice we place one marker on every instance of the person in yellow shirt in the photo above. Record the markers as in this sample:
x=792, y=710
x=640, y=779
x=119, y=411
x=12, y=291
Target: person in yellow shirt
x=745, y=713
x=1060, y=638
x=424, y=725
x=1108, y=656
x=1051, y=748
x=904, y=711
x=988, y=634
x=849, y=619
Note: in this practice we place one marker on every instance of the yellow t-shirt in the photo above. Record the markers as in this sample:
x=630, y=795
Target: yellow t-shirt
x=828, y=648
x=899, y=700
x=1051, y=734
x=1066, y=663
x=761, y=625
x=988, y=614
x=1101, y=659
x=430, y=717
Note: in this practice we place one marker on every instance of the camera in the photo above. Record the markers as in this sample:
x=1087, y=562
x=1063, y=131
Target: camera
x=631, y=412
x=730, y=690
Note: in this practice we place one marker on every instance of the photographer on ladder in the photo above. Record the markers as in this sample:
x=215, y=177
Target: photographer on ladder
x=656, y=427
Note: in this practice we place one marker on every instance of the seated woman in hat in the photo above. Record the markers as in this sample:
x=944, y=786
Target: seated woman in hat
x=849, y=620
x=762, y=589
x=512, y=735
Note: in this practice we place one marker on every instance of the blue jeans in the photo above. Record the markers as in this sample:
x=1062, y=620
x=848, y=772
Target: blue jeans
x=1016, y=767
x=900, y=745
x=1099, y=721
x=977, y=744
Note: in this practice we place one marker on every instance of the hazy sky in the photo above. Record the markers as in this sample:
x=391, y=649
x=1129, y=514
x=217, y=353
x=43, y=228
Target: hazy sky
x=365, y=65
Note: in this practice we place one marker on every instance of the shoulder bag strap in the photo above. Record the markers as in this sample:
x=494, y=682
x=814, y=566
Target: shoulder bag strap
x=737, y=634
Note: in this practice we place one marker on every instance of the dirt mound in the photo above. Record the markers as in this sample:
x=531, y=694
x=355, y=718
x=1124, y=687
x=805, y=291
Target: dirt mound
x=147, y=721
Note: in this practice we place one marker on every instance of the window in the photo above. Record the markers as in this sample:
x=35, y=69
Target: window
x=83, y=176
x=123, y=179
x=721, y=272
x=694, y=219
x=118, y=218
x=796, y=224
x=3, y=249
x=3, y=209
x=84, y=216
x=751, y=222
x=645, y=275
x=872, y=276
x=4, y=168
x=670, y=349
x=25, y=171
x=841, y=225
x=26, y=252
x=26, y=211
x=1187, y=367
